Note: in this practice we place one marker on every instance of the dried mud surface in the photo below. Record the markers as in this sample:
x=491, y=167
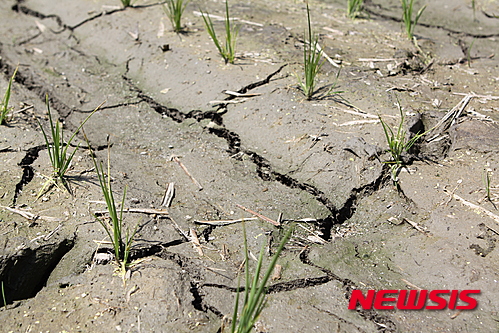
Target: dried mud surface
x=317, y=162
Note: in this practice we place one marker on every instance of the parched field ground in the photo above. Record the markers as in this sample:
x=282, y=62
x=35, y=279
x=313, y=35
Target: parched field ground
x=247, y=137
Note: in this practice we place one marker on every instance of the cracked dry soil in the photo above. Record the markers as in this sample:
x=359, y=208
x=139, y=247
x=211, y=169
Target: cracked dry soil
x=317, y=162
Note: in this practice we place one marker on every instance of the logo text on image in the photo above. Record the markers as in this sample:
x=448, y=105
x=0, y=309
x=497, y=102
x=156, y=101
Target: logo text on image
x=413, y=299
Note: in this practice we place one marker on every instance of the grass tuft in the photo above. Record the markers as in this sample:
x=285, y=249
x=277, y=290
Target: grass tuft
x=312, y=63
x=126, y=3
x=398, y=144
x=57, y=149
x=354, y=8
x=4, y=106
x=174, y=10
x=228, y=49
x=121, y=240
x=407, y=10
x=311, y=60
x=255, y=288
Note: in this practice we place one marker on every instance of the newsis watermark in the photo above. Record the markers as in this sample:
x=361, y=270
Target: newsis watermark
x=413, y=299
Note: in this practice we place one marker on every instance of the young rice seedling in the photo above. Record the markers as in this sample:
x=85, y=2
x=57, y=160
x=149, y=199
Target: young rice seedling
x=255, y=288
x=174, y=10
x=311, y=60
x=4, y=107
x=487, y=182
x=57, y=149
x=312, y=63
x=126, y=3
x=122, y=240
x=407, y=10
x=354, y=8
x=397, y=142
x=228, y=49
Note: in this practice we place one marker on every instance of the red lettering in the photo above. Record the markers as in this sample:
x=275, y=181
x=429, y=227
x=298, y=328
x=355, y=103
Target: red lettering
x=357, y=296
x=413, y=299
x=413, y=302
x=442, y=302
x=380, y=298
x=453, y=299
x=472, y=303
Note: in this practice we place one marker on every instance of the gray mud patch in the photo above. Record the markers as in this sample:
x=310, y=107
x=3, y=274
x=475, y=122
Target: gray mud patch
x=319, y=164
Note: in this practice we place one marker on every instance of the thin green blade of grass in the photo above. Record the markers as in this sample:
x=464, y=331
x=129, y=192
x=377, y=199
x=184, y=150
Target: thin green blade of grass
x=354, y=8
x=126, y=3
x=227, y=49
x=3, y=296
x=236, y=306
x=174, y=9
x=115, y=233
x=58, y=149
x=397, y=142
x=249, y=313
x=231, y=36
x=121, y=246
x=468, y=52
x=255, y=288
x=407, y=13
x=487, y=182
x=4, y=111
x=312, y=63
x=211, y=31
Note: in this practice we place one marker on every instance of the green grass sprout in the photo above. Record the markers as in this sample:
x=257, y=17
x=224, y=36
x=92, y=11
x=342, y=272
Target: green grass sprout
x=174, y=10
x=312, y=63
x=57, y=149
x=468, y=52
x=398, y=144
x=126, y=3
x=407, y=13
x=122, y=240
x=3, y=296
x=4, y=106
x=255, y=288
x=487, y=179
x=312, y=55
x=354, y=8
x=228, y=49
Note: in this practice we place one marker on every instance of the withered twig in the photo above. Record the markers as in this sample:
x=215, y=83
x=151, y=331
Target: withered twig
x=235, y=93
x=451, y=193
x=376, y=60
x=456, y=314
x=175, y=158
x=169, y=194
x=195, y=242
x=224, y=222
x=30, y=216
x=137, y=210
x=242, y=100
x=131, y=291
x=179, y=230
x=328, y=58
x=50, y=234
x=476, y=207
x=450, y=117
x=259, y=215
x=411, y=284
x=358, y=122
x=417, y=227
